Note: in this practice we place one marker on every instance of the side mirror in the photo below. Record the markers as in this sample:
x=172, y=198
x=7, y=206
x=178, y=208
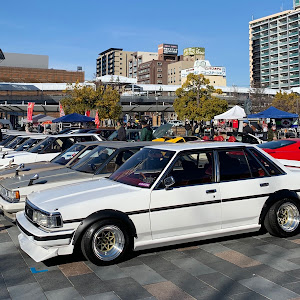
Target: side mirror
x=18, y=169
x=168, y=182
x=35, y=177
x=4, y=154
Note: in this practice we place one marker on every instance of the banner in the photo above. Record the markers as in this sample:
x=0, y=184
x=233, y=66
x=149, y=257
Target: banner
x=97, y=121
x=87, y=113
x=30, y=111
x=61, y=111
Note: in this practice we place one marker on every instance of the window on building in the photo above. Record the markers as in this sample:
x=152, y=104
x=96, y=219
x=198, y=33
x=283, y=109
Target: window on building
x=159, y=70
x=159, y=64
x=174, y=70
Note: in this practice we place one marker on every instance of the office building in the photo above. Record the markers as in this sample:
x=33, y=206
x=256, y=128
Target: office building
x=138, y=58
x=274, y=50
x=113, y=61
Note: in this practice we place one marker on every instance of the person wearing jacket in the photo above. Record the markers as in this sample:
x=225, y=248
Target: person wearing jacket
x=121, y=132
x=146, y=133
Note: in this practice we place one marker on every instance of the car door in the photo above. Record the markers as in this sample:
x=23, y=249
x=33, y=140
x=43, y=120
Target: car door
x=245, y=185
x=192, y=205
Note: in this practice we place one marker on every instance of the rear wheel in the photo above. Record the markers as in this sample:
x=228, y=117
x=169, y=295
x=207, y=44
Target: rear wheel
x=283, y=218
x=106, y=242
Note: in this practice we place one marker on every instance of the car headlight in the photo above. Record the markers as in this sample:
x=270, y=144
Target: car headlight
x=47, y=220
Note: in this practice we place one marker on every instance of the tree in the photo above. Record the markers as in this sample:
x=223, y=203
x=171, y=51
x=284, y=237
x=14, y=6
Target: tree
x=259, y=99
x=286, y=102
x=195, y=100
x=81, y=98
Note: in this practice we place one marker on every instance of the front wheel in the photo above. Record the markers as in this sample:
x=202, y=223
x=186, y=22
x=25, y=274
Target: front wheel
x=283, y=218
x=106, y=242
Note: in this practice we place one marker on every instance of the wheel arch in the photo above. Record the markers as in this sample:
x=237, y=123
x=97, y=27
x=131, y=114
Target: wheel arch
x=102, y=215
x=279, y=195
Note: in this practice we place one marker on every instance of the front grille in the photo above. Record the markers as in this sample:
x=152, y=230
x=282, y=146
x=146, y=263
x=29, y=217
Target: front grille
x=29, y=211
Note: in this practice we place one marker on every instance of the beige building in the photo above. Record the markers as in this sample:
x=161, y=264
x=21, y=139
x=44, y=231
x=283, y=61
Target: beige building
x=138, y=58
x=113, y=61
x=174, y=71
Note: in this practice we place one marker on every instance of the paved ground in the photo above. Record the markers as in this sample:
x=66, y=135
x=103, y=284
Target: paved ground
x=250, y=267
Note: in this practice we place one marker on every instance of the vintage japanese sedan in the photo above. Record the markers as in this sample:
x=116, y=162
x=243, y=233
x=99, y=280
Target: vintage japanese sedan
x=163, y=195
x=99, y=162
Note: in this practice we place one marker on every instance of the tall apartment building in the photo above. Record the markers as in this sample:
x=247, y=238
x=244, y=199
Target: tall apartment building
x=113, y=61
x=153, y=72
x=138, y=58
x=274, y=49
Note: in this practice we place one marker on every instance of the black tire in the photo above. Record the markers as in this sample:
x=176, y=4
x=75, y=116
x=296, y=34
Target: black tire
x=106, y=242
x=283, y=218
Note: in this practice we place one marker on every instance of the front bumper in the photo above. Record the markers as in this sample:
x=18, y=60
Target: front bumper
x=10, y=209
x=41, y=245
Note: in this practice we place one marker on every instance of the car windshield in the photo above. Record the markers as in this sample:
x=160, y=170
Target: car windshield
x=143, y=168
x=7, y=140
x=93, y=160
x=17, y=141
x=276, y=144
x=40, y=146
x=28, y=144
x=67, y=155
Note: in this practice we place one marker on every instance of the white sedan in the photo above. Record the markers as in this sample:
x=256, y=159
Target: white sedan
x=163, y=195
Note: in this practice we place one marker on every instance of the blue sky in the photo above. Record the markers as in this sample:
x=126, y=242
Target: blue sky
x=73, y=33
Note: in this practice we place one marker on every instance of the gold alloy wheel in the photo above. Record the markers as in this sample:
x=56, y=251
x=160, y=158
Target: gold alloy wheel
x=288, y=217
x=108, y=242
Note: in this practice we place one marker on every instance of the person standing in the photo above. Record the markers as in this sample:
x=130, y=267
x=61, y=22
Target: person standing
x=247, y=129
x=188, y=128
x=146, y=133
x=121, y=132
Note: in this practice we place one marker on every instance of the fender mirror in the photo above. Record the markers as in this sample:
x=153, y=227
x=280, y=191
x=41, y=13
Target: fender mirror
x=35, y=177
x=18, y=169
x=168, y=182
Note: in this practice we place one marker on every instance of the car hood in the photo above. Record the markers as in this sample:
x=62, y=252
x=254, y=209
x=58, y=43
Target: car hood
x=75, y=201
x=45, y=177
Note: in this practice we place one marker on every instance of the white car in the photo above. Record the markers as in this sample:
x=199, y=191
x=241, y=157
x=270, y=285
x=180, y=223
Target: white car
x=163, y=195
x=176, y=123
x=46, y=149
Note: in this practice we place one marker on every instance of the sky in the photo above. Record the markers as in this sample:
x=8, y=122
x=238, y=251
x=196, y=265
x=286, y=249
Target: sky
x=73, y=33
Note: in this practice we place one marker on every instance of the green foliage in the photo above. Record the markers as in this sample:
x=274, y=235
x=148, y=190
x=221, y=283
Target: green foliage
x=80, y=98
x=286, y=102
x=195, y=100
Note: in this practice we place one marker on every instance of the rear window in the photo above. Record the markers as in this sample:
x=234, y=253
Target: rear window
x=276, y=144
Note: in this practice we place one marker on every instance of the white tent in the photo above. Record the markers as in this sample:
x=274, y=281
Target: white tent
x=232, y=114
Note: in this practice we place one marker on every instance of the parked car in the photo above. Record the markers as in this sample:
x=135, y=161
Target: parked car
x=288, y=149
x=177, y=139
x=46, y=149
x=176, y=123
x=163, y=195
x=99, y=162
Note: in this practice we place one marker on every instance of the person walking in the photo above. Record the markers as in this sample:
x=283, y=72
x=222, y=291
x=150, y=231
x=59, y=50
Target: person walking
x=121, y=132
x=146, y=133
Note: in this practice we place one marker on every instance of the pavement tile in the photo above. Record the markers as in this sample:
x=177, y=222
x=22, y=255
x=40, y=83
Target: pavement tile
x=3, y=290
x=37, y=265
x=74, y=269
x=174, y=254
x=214, y=248
x=63, y=294
x=143, y=274
x=248, y=296
x=13, y=233
x=268, y=289
x=131, y=262
x=89, y=284
x=192, y=266
x=31, y=291
x=8, y=248
x=166, y=291
x=296, y=241
x=276, y=262
x=293, y=286
x=244, y=248
x=273, y=274
x=253, y=241
x=4, y=237
x=293, y=273
x=158, y=264
x=188, y=248
x=238, y=259
x=224, y=284
x=281, y=252
x=188, y=283
x=284, y=243
x=52, y=280
x=203, y=256
x=108, y=272
x=103, y=296
x=128, y=289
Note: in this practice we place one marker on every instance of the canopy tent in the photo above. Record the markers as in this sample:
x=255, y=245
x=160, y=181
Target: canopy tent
x=232, y=114
x=273, y=113
x=72, y=118
x=46, y=119
x=35, y=119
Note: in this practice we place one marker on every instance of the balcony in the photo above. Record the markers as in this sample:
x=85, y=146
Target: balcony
x=293, y=48
x=294, y=69
x=283, y=57
x=273, y=39
x=293, y=40
x=264, y=54
x=293, y=33
x=263, y=48
x=265, y=60
x=294, y=76
x=294, y=54
x=281, y=37
x=294, y=62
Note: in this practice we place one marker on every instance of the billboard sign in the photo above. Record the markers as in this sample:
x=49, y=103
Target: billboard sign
x=193, y=51
x=168, y=49
x=203, y=67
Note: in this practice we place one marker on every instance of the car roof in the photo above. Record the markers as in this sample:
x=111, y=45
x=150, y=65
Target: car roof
x=120, y=144
x=201, y=145
x=74, y=134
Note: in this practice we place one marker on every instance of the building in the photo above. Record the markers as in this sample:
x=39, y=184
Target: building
x=274, y=50
x=194, y=53
x=113, y=61
x=174, y=71
x=138, y=58
x=153, y=72
x=17, y=67
x=216, y=75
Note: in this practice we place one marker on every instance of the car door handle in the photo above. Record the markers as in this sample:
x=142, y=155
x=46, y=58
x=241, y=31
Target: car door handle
x=264, y=184
x=211, y=191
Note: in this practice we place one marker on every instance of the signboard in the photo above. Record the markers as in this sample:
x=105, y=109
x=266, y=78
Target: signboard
x=168, y=49
x=30, y=111
x=194, y=51
x=203, y=67
x=296, y=4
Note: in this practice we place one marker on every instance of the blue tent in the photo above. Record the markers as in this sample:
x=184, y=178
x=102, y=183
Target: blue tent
x=72, y=118
x=273, y=113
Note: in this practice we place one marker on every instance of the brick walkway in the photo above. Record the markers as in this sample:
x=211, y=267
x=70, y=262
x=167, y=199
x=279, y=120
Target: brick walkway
x=248, y=267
